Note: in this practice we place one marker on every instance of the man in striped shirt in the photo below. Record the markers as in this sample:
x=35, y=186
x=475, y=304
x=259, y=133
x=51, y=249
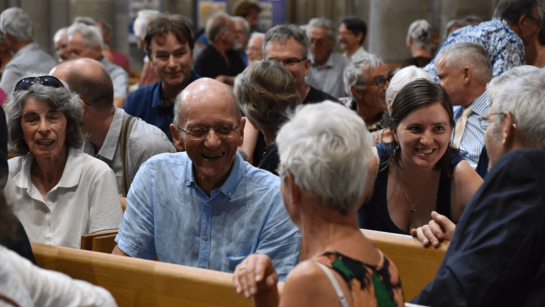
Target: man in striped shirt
x=464, y=70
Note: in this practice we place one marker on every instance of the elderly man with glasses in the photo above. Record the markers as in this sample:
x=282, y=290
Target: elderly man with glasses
x=206, y=207
x=366, y=80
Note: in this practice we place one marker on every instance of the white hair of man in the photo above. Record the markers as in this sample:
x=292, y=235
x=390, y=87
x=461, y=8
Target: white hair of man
x=216, y=24
x=420, y=31
x=16, y=23
x=468, y=54
x=58, y=35
x=523, y=98
x=403, y=77
x=357, y=72
x=142, y=21
x=325, y=23
x=327, y=149
x=257, y=34
x=496, y=84
x=244, y=21
x=92, y=35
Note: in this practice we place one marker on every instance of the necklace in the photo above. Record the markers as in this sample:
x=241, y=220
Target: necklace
x=412, y=210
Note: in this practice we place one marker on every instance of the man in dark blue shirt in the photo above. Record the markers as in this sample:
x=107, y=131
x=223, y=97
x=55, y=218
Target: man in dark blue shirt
x=169, y=44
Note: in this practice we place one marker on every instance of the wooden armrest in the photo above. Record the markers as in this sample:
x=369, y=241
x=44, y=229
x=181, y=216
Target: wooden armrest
x=87, y=240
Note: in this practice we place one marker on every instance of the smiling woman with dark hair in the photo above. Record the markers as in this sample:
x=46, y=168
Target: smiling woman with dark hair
x=418, y=172
x=57, y=192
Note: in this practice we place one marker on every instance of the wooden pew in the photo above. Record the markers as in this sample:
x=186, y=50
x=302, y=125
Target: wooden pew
x=417, y=265
x=99, y=242
x=138, y=282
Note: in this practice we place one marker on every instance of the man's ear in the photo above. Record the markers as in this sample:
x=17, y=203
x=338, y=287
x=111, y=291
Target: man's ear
x=308, y=63
x=356, y=92
x=177, y=138
x=507, y=129
x=241, y=129
x=467, y=75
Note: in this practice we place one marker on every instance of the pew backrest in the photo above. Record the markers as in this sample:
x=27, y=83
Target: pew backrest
x=416, y=264
x=138, y=282
x=99, y=242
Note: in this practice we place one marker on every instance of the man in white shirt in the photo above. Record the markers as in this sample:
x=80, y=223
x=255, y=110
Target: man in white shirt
x=16, y=26
x=352, y=33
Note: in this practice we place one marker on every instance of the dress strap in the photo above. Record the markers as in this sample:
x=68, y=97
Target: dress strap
x=334, y=282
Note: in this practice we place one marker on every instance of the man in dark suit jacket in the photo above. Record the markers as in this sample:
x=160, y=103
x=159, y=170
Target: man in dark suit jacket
x=497, y=253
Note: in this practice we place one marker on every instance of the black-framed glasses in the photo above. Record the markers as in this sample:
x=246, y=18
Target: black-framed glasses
x=224, y=131
x=532, y=18
x=485, y=120
x=290, y=61
x=25, y=83
x=380, y=82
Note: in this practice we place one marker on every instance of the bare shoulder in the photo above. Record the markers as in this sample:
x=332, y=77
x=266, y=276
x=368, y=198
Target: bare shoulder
x=308, y=285
x=466, y=181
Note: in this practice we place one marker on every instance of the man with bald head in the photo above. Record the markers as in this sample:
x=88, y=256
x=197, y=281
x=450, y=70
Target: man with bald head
x=105, y=124
x=206, y=207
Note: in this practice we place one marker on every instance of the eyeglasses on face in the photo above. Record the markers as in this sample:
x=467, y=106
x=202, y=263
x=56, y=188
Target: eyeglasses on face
x=290, y=61
x=485, y=120
x=25, y=83
x=224, y=131
x=380, y=82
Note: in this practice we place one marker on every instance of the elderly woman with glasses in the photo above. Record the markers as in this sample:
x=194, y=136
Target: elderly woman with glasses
x=57, y=192
x=266, y=91
x=326, y=153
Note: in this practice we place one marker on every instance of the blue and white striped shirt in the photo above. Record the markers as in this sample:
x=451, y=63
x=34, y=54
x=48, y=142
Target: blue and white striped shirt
x=473, y=138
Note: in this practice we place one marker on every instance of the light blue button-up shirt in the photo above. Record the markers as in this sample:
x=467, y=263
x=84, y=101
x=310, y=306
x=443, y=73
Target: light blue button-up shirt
x=168, y=215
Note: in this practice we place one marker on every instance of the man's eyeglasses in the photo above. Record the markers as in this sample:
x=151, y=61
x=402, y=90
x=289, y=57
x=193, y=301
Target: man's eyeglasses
x=25, y=83
x=380, y=82
x=223, y=132
x=290, y=61
x=485, y=120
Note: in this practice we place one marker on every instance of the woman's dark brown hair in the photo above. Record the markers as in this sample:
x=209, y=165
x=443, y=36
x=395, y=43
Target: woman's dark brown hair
x=412, y=97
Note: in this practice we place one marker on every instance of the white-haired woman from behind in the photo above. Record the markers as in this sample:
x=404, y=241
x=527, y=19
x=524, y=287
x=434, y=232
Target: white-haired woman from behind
x=325, y=152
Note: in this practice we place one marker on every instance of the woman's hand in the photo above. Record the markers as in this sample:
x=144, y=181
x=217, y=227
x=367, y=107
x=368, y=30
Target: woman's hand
x=255, y=273
x=438, y=229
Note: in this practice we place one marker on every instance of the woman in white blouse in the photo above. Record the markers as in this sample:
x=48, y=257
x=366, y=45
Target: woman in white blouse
x=57, y=192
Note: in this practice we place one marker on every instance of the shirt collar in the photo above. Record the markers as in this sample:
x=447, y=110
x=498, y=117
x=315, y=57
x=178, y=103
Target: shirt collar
x=109, y=146
x=229, y=187
x=328, y=63
x=74, y=163
x=480, y=105
x=27, y=48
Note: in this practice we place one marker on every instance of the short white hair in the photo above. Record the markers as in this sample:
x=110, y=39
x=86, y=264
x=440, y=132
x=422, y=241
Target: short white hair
x=523, y=98
x=92, y=35
x=420, y=31
x=257, y=34
x=468, y=54
x=142, y=21
x=328, y=150
x=354, y=72
x=322, y=22
x=16, y=23
x=403, y=77
x=496, y=84
x=244, y=21
x=58, y=35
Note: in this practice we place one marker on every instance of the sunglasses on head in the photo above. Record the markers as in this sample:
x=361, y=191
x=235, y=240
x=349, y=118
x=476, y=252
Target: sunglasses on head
x=26, y=83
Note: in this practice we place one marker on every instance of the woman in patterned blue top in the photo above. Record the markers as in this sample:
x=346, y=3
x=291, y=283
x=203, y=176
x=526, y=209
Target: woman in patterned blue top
x=418, y=172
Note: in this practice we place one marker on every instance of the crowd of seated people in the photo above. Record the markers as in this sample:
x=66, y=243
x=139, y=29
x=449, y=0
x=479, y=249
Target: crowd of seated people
x=242, y=152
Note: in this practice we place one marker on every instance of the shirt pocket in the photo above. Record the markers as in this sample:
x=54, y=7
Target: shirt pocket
x=230, y=262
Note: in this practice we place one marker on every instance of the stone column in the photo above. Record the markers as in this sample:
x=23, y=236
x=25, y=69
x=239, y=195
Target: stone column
x=58, y=18
x=38, y=10
x=388, y=24
x=360, y=8
x=104, y=9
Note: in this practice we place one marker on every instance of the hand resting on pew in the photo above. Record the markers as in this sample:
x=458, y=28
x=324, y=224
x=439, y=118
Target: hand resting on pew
x=256, y=276
x=438, y=229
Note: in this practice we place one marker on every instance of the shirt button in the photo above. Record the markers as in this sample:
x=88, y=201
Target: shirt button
x=188, y=182
x=205, y=238
x=229, y=194
x=208, y=204
x=226, y=262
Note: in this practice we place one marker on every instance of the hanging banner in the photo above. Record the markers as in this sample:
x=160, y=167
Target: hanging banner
x=272, y=13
